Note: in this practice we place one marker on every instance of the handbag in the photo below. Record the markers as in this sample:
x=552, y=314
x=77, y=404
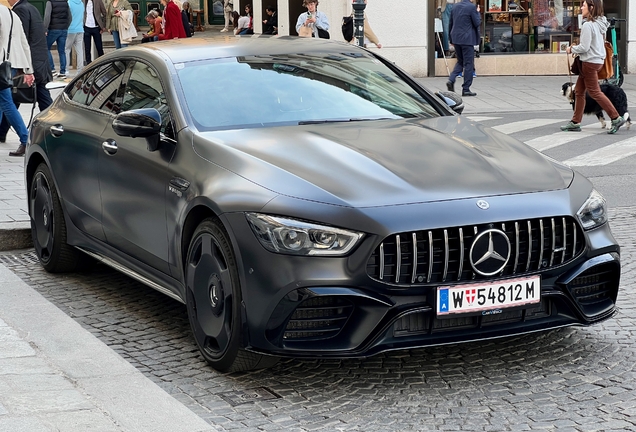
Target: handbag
x=22, y=92
x=323, y=34
x=305, y=31
x=608, y=69
x=6, y=75
x=576, y=67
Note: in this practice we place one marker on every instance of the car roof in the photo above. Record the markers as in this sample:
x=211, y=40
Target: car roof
x=203, y=48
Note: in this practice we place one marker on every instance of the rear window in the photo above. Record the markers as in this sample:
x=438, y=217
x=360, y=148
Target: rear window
x=267, y=90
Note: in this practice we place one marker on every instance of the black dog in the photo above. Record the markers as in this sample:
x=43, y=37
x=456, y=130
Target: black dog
x=615, y=94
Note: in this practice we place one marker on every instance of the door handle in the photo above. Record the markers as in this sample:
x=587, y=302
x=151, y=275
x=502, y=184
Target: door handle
x=57, y=130
x=109, y=146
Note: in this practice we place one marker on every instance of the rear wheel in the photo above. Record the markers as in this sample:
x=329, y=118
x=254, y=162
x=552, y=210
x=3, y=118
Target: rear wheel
x=213, y=300
x=48, y=228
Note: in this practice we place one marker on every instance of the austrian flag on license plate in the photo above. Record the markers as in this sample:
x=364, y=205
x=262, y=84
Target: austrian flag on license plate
x=488, y=296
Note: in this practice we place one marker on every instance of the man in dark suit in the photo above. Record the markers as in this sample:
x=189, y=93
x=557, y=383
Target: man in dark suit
x=464, y=35
x=34, y=31
x=270, y=25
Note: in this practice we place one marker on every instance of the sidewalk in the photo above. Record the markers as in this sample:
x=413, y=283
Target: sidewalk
x=56, y=376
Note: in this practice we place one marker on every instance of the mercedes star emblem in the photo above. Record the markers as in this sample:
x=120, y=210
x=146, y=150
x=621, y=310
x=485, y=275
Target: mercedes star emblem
x=490, y=252
x=483, y=204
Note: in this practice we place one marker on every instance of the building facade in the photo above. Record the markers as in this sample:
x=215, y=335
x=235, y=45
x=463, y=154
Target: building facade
x=519, y=37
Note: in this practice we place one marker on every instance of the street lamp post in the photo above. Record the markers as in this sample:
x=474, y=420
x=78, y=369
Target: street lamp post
x=358, y=21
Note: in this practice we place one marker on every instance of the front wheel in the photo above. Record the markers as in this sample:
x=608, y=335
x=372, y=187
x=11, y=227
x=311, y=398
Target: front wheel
x=213, y=301
x=48, y=227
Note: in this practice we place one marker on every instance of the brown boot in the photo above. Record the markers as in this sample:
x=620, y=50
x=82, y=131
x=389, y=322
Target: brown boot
x=19, y=151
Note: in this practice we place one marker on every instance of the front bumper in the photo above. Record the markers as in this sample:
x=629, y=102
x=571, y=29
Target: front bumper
x=330, y=307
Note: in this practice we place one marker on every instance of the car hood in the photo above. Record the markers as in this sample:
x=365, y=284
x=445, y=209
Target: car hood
x=385, y=162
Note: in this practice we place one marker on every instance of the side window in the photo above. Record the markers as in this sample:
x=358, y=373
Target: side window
x=100, y=88
x=144, y=90
x=107, y=86
x=82, y=88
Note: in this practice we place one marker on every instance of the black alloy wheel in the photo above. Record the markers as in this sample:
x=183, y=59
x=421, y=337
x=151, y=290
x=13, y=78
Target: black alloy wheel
x=213, y=300
x=48, y=228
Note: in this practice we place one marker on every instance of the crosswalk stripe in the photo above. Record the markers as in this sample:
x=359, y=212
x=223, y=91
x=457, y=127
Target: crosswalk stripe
x=547, y=142
x=605, y=155
x=523, y=125
x=483, y=118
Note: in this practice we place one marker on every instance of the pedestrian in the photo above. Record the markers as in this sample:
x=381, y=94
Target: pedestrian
x=34, y=31
x=19, y=54
x=313, y=18
x=75, y=38
x=241, y=23
x=228, y=8
x=113, y=9
x=446, y=8
x=185, y=19
x=270, y=25
x=154, y=21
x=591, y=51
x=465, y=21
x=172, y=22
x=94, y=26
x=57, y=19
x=248, y=13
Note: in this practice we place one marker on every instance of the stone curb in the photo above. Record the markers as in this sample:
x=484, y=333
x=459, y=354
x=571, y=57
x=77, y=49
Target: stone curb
x=14, y=236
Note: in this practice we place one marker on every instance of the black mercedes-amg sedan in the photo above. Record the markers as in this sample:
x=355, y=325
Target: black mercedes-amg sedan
x=307, y=198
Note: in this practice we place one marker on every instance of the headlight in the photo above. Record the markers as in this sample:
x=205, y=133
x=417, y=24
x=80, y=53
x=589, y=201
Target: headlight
x=594, y=212
x=290, y=236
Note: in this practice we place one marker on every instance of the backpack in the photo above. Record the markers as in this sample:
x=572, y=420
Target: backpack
x=347, y=28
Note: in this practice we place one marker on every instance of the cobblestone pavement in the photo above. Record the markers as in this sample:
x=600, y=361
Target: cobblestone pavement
x=574, y=379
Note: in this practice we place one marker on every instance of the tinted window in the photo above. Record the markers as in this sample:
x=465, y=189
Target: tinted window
x=294, y=88
x=82, y=87
x=144, y=90
x=100, y=87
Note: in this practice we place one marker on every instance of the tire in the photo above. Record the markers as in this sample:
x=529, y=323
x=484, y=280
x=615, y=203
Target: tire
x=48, y=227
x=213, y=301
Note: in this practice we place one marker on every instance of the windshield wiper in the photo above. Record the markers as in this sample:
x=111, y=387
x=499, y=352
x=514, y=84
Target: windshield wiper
x=310, y=122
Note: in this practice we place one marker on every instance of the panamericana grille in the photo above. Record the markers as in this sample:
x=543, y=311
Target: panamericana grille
x=442, y=255
x=595, y=285
x=318, y=318
x=426, y=322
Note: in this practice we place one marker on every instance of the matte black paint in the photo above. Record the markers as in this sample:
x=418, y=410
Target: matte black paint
x=379, y=177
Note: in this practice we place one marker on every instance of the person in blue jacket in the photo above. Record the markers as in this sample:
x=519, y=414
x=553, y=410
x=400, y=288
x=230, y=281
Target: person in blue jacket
x=75, y=37
x=464, y=35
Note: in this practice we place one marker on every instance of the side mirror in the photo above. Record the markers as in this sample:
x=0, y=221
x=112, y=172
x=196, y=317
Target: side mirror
x=453, y=100
x=140, y=123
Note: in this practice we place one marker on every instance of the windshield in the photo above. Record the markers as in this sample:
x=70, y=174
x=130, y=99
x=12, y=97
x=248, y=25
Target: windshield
x=268, y=90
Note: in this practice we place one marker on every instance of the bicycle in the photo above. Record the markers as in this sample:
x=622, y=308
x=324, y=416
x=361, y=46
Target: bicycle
x=617, y=78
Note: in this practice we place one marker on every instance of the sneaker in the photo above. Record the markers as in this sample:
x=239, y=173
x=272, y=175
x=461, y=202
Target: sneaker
x=571, y=127
x=224, y=30
x=61, y=75
x=54, y=73
x=616, y=125
x=450, y=86
x=460, y=75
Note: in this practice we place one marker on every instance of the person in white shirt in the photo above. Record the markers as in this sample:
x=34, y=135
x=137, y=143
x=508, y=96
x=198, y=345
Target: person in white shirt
x=94, y=25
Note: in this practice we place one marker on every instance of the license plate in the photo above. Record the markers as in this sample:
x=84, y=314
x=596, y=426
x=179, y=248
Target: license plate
x=490, y=296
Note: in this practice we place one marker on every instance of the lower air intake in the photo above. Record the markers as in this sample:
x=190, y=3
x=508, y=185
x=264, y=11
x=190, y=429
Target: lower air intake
x=318, y=318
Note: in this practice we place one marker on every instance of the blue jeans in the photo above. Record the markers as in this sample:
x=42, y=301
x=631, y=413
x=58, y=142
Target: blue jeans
x=117, y=40
x=446, y=25
x=59, y=37
x=8, y=110
x=43, y=97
